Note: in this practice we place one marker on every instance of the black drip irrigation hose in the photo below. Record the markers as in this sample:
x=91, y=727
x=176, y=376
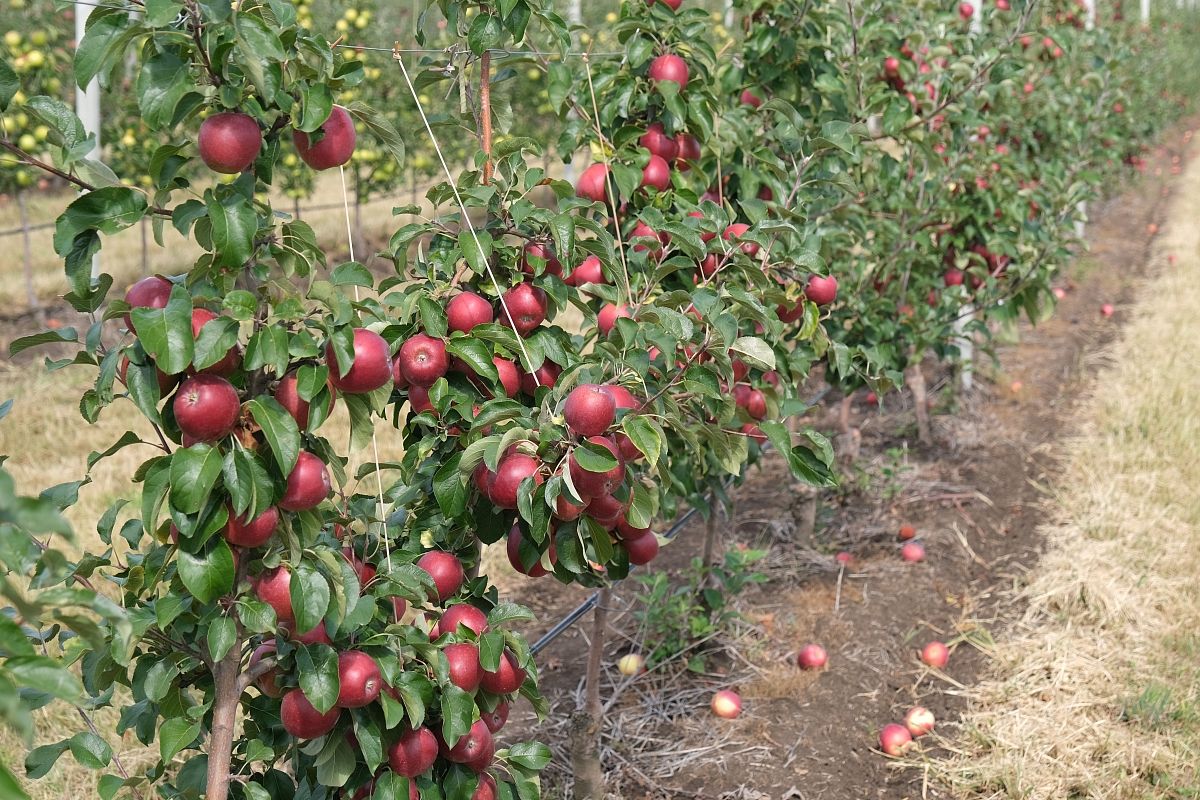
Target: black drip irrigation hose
x=564, y=624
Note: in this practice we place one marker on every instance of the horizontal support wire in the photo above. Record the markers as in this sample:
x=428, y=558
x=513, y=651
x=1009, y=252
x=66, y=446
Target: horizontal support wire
x=563, y=625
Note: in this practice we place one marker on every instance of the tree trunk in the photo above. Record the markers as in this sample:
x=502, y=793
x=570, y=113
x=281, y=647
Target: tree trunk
x=710, y=534
x=587, y=722
x=804, y=515
x=485, y=112
x=915, y=379
x=31, y=295
x=848, y=442
x=296, y=208
x=225, y=706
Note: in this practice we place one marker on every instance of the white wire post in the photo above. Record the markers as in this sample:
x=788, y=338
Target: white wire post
x=575, y=17
x=977, y=16
x=1090, y=6
x=729, y=15
x=1145, y=12
x=87, y=104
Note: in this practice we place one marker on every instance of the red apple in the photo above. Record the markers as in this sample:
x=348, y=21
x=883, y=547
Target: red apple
x=656, y=173
x=1107, y=310
x=596, y=484
x=360, y=679
x=541, y=253
x=507, y=678
x=317, y=635
x=749, y=98
x=165, y=382
x=606, y=510
x=589, y=410
x=895, y=740
x=287, y=394
x=486, y=788
x=821, y=290
x=423, y=360
x=671, y=4
x=446, y=571
x=229, y=142
x=372, y=367
x=913, y=552
x=669, y=67
x=936, y=655
x=252, y=533
x=513, y=549
x=656, y=140
x=464, y=665
x=891, y=66
x=589, y=270
x=727, y=704
x=906, y=532
x=644, y=231
x=273, y=587
x=565, y=510
x=953, y=277
x=812, y=656
x=336, y=145
x=592, y=183
x=475, y=749
x=628, y=533
x=463, y=614
x=495, y=718
x=689, y=151
x=303, y=721
x=413, y=753
x=307, y=485
x=504, y=485
x=527, y=305
x=735, y=232
x=364, y=571
x=206, y=407
x=546, y=376
x=966, y=10
x=466, y=310
x=919, y=721
x=608, y=315
x=641, y=551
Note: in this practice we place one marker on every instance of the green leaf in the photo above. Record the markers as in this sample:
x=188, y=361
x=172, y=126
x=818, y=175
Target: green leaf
x=194, y=472
x=222, y=633
x=310, y=596
x=646, y=436
x=530, y=755
x=379, y=126
x=416, y=693
x=283, y=435
x=101, y=44
x=90, y=750
x=755, y=352
x=174, y=735
x=42, y=674
x=45, y=337
x=216, y=339
x=234, y=224
x=476, y=249
x=207, y=576
x=316, y=103
x=594, y=458
x=391, y=786
x=9, y=85
x=352, y=273
x=42, y=759
x=450, y=488
x=161, y=85
x=458, y=712
x=318, y=674
x=9, y=787
x=166, y=333
x=484, y=33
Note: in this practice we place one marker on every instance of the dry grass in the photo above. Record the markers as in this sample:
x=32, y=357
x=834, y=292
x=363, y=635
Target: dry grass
x=1094, y=693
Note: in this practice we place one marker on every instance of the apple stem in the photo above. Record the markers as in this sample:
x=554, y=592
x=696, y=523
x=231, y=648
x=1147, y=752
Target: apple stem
x=587, y=722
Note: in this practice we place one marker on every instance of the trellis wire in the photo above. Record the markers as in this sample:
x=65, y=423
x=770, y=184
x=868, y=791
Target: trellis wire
x=564, y=624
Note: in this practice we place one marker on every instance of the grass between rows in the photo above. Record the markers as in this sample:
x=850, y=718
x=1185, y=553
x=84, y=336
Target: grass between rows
x=1095, y=692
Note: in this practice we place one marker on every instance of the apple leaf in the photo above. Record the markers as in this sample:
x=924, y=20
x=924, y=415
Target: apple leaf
x=281, y=431
x=594, y=458
x=42, y=674
x=646, y=436
x=9, y=85
x=216, y=339
x=209, y=575
x=317, y=665
x=458, y=711
x=530, y=755
x=222, y=632
x=416, y=693
x=755, y=352
x=8, y=782
x=449, y=488
x=310, y=596
x=336, y=761
x=194, y=473
x=166, y=333
x=234, y=223
x=174, y=735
